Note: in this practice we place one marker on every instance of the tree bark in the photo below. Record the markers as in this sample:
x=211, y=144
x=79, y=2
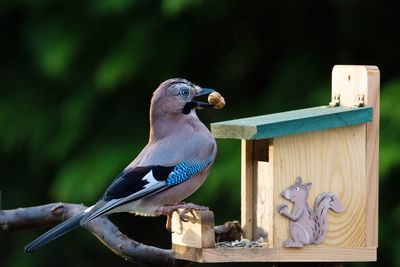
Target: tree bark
x=102, y=228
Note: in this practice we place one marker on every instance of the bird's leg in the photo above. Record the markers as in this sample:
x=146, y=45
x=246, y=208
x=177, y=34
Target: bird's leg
x=168, y=224
x=168, y=210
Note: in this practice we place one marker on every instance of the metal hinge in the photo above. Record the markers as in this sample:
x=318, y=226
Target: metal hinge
x=335, y=101
x=359, y=101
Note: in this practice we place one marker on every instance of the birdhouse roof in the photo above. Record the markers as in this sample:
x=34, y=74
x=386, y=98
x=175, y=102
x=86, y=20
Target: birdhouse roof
x=291, y=122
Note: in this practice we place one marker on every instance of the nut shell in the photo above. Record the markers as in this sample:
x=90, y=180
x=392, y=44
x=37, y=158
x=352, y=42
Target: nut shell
x=216, y=100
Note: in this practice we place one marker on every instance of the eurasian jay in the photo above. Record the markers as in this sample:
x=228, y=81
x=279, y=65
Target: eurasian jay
x=173, y=165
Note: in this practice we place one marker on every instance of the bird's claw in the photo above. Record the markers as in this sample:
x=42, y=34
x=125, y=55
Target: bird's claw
x=187, y=208
x=182, y=216
x=184, y=212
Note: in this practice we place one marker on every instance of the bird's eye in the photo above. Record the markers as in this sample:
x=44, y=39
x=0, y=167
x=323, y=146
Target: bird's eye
x=297, y=188
x=184, y=93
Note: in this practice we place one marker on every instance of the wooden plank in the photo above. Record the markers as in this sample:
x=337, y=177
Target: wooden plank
x=263, y=191
x=187, y=253
x=372, y=98
x=291, y=122
x=261, y=203
x=349, y=82
x=247, y=189
x=334, y=161
x=198, y=232
x=308, y=264
x=308, y=254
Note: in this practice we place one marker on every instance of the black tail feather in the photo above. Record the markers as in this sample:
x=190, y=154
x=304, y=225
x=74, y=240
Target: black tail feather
x=59, y=230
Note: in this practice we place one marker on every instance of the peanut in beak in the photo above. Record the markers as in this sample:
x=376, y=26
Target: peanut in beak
x=216, y=100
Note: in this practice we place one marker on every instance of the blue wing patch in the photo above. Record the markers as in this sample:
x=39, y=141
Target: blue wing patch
x=185, y=170
x=141, y=182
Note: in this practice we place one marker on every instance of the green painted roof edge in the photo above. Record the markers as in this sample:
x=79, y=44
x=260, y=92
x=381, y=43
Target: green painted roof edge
x=309, y=120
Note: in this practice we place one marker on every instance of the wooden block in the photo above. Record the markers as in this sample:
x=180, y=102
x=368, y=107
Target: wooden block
x=187, y=253
x=349, y=82
x=197, y=233
x=334, y=161
x=291, y=122
x=307, y=254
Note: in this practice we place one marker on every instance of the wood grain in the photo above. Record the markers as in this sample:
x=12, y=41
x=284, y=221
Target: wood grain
x=198, y=232
x=291, y=122
x=334, y=161
x=308, y=264
x=350, y=81
x=263, y=193
x=247, y=188
x=308, y=254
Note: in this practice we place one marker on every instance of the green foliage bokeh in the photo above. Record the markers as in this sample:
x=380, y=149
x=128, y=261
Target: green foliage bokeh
x=76, y=79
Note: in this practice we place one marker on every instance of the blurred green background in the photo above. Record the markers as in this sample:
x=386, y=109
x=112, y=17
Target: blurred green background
x=76, y=79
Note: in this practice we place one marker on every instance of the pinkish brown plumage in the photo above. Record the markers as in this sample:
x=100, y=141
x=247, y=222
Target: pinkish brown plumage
x=175, y=162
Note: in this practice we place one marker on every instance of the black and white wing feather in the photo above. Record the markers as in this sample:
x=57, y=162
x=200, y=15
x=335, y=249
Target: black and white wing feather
x=130, y=185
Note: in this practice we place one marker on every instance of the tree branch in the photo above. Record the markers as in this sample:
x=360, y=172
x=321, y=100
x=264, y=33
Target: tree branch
x=102, y=228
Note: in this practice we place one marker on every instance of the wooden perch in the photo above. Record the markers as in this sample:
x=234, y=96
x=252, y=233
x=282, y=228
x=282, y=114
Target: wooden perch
x=102, y=228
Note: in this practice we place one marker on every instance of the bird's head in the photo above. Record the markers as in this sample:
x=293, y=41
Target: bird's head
x=177, y=96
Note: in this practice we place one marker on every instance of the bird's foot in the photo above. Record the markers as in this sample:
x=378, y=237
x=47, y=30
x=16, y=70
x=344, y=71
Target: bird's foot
x=168, y=210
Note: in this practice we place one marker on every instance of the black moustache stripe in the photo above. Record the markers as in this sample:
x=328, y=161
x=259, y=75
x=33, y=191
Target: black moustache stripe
x=189, y=106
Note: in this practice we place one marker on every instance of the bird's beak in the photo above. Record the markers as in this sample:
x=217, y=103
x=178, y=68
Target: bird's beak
x=202, y=92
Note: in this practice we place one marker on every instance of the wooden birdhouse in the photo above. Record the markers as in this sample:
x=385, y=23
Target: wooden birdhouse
x=334, y=148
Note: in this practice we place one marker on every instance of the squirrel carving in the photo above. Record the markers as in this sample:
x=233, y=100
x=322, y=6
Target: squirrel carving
x=307, y=225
